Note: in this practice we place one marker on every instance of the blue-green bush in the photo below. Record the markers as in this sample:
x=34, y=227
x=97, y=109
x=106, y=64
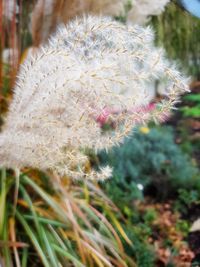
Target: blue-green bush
x=153, y=160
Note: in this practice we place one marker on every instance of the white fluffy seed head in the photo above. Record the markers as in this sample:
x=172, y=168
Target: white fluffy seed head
x=91, y=65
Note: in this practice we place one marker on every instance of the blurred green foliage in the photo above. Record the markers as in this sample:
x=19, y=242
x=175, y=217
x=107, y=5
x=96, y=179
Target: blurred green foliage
x=179, y=33
x=193, y=107
x=191, y=111
x=186, y=199
x=143, y=253
x=153, y=160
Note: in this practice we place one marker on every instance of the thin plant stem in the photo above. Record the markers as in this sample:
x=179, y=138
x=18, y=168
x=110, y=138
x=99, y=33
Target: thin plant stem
x=2, y=201
x=12, y=220
x=13, y=239
x=16, y=193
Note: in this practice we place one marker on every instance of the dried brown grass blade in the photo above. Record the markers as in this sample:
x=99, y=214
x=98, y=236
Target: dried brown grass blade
x=13, y=239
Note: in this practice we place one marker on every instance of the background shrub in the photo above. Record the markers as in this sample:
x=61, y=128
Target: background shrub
x=152, y=159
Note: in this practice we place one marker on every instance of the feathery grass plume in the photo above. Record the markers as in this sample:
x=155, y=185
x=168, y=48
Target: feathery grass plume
x=91, y=65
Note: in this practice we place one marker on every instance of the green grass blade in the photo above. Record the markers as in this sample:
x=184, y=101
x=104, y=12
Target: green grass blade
x=49, y=249
x=66, y=244
x=34, y=215
x=63, y=252
x=24, y=257
x=2, y=201
x=33, y=239
x=7, y=253
x=48, y=199
x=46, y=221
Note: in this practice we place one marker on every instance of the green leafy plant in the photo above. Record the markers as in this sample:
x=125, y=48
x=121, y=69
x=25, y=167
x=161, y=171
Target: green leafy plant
x=143, y=252
x=193, y=98
x=192, y=109
x=186, y=199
